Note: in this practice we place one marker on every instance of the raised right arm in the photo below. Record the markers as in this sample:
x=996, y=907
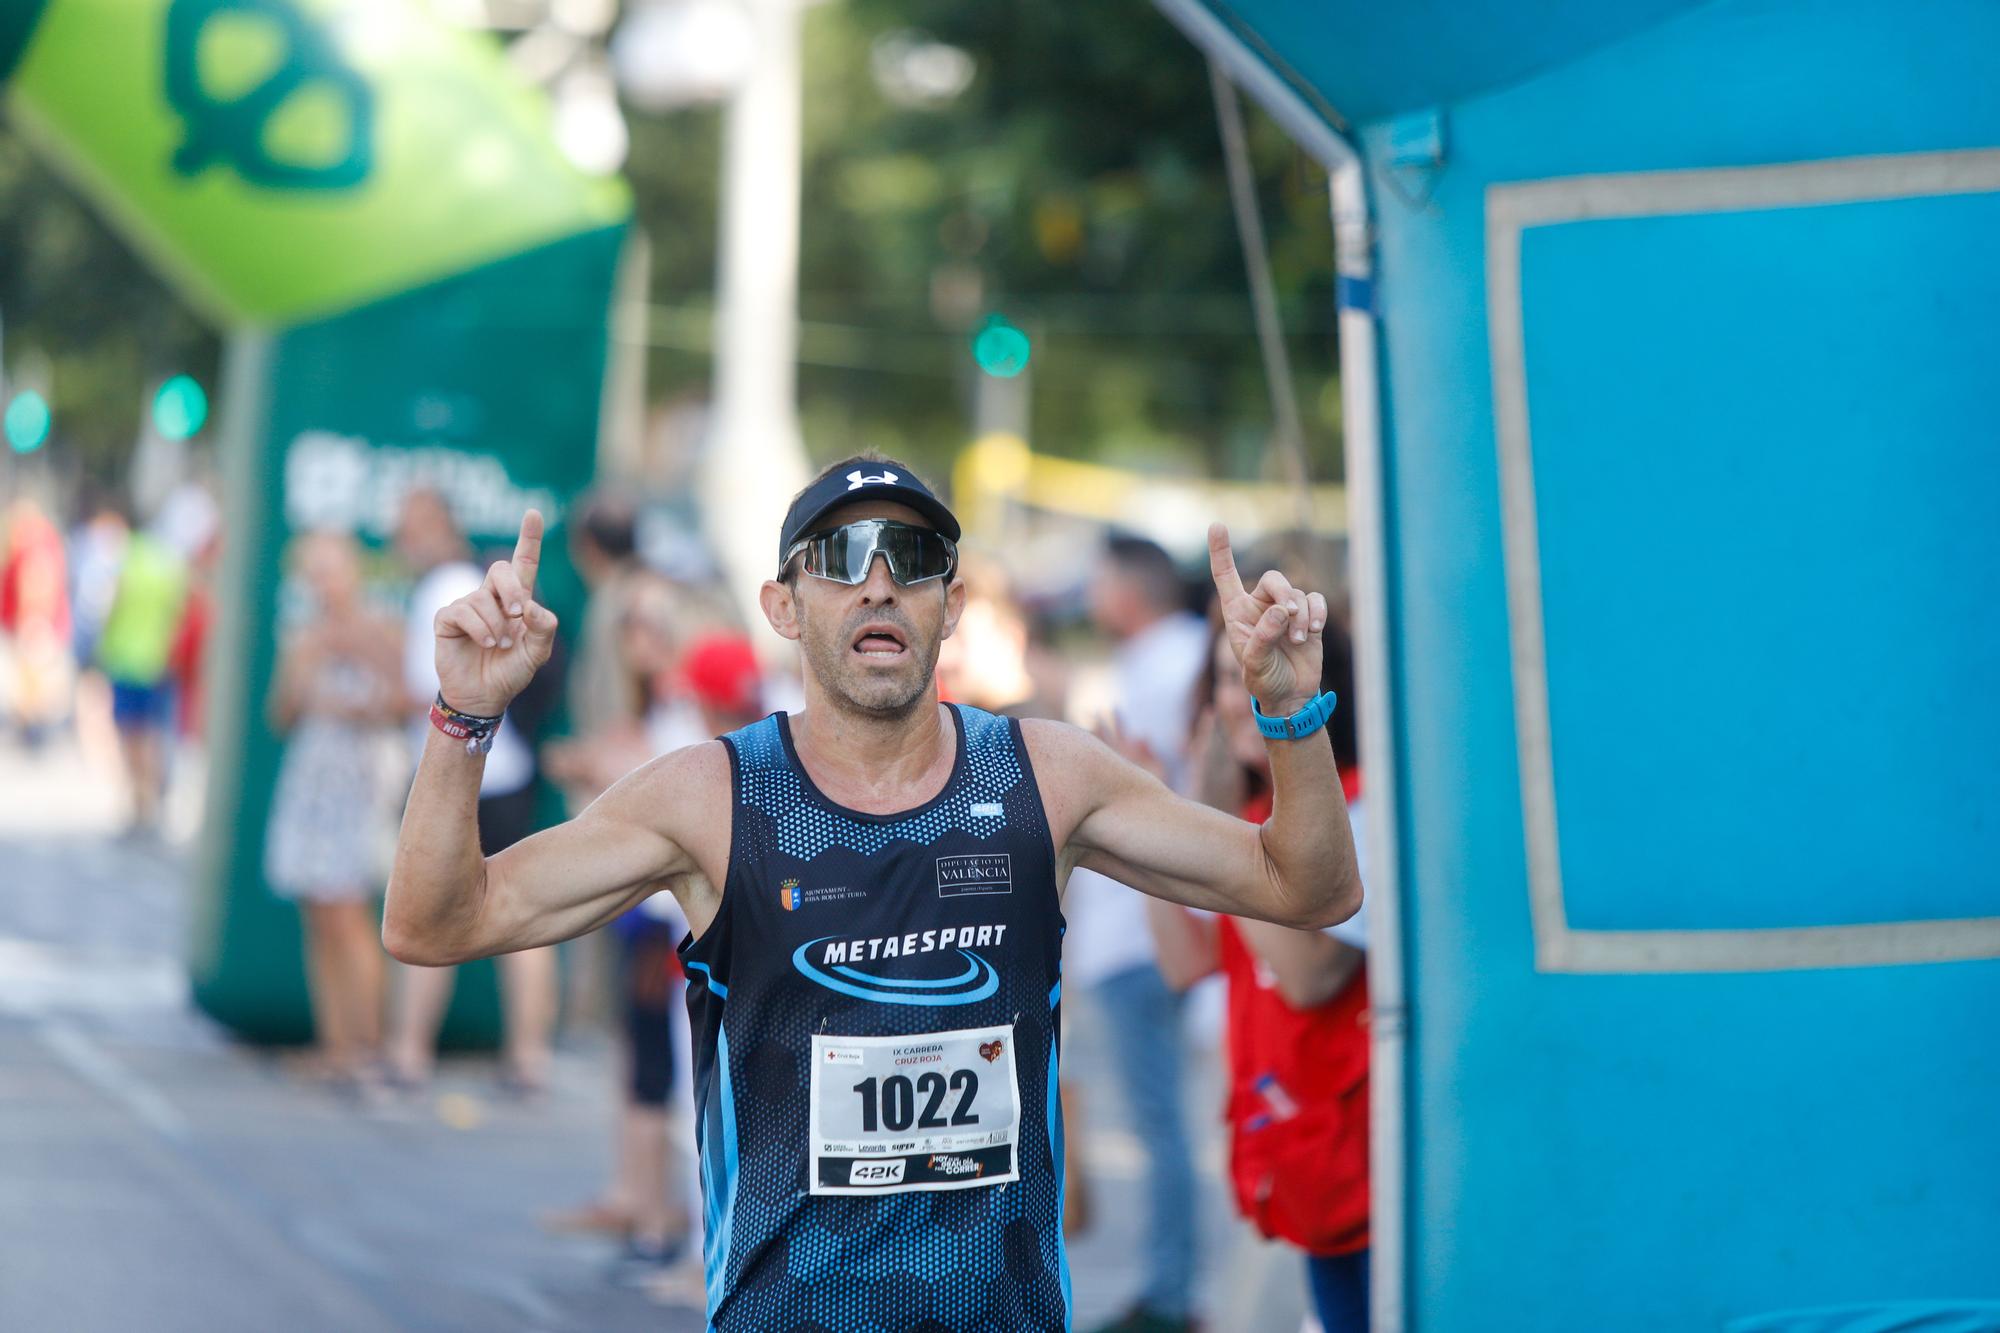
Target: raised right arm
x=663, y=826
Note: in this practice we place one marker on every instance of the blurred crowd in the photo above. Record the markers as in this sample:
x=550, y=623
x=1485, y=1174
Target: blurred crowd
x=103, y=627
x=103, y=624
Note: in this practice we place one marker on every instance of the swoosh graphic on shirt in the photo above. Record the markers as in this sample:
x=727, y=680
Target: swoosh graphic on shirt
x=984, y=990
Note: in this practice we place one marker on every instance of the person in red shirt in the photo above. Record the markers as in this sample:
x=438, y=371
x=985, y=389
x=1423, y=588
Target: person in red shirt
x=34, y=618
x=1297, y=1026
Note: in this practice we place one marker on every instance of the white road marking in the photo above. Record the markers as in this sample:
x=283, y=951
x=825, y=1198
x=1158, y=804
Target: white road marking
x=94, y=1066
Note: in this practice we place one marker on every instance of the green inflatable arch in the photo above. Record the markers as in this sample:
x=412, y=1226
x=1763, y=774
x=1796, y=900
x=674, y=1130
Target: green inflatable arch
x=416, y=287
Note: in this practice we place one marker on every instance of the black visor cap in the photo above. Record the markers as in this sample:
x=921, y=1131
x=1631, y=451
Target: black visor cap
x=856, y=480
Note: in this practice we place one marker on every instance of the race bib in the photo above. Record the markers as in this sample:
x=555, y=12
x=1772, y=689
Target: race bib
x=932, y=1111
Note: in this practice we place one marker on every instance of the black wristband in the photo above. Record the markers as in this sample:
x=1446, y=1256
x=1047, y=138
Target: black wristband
x=470, y=719
x=477, y=732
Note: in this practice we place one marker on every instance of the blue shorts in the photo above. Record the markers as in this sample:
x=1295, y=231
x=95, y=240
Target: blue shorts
x=142, y=707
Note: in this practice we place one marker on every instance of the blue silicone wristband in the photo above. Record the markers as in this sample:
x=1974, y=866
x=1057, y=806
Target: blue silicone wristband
x=1300, y=724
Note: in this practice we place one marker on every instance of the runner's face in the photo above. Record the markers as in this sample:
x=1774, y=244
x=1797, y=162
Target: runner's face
x=874, y=646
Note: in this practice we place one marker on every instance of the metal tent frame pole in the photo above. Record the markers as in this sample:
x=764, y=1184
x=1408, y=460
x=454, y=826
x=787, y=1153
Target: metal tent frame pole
x=1314, y=132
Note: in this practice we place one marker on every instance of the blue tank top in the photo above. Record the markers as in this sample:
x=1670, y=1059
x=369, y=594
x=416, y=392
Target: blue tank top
x=875, y=1011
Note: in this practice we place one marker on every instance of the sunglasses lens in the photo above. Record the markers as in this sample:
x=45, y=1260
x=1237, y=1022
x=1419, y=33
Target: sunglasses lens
x=844, y=554
x=915, y=554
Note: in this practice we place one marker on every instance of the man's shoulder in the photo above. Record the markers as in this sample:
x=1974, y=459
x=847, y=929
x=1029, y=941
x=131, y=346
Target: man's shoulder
x=705, y=763
x=1077, y=773
x=677, y=793
x=680, y=799
x=1065, y=757
x=1048, y=736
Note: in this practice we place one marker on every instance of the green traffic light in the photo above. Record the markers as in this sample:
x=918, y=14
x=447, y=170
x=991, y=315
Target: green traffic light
x=1000, y=348
x=27, y=422
x=179, y=408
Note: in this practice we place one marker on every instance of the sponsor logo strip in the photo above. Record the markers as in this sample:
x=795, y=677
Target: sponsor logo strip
x=985, y=872
x=944, y=1170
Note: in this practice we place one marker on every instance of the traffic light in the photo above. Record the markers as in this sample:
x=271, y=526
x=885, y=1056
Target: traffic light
x=27, y=421
x=1000, y=348
x=179, y=408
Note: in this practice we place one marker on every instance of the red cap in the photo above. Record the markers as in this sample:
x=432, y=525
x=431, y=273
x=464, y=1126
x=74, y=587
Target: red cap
x=720, y=671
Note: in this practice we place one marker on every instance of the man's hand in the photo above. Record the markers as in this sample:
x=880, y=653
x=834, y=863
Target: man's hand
x=492, y=641
x=1274, y=629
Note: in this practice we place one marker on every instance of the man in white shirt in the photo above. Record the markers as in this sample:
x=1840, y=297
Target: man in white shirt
x=428, y=538
x=1137, y=598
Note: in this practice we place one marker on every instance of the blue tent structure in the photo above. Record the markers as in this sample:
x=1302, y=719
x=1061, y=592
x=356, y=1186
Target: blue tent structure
x=1668, y=334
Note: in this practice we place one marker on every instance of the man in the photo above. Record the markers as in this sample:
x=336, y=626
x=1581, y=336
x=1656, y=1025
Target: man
x=429, y=540
x=1138, y=600
x=874, y=893
x=135, y=652
x=603, y=540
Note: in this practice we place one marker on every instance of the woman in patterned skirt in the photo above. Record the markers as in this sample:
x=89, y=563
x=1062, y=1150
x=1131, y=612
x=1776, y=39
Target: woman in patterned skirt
x=338, y=695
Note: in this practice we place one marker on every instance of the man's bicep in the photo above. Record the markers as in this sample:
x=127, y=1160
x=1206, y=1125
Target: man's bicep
x=630, y=842
x=566, y=881
x=1137, y=831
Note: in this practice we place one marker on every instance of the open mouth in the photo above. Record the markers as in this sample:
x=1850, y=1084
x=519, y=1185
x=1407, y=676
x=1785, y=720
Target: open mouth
x=880, y=643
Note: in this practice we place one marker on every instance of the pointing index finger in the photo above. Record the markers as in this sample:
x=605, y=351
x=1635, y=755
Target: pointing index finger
x=1221, y=563
x=528, y=549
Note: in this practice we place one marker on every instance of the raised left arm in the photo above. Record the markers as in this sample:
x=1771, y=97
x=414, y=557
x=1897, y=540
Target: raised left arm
x=1297, y=868
x=1107, y=814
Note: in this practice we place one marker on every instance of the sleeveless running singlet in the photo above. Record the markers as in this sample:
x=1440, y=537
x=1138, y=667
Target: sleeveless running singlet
x=875, y=1023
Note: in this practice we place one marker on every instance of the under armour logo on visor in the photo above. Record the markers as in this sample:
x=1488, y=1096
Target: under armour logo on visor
x=857, y=479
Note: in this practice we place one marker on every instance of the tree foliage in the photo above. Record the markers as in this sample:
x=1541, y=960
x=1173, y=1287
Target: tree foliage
x=1076, y=185
x=73, y=293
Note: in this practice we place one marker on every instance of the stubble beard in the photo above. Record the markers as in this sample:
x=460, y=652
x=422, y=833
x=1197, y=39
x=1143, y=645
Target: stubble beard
x=832, y=663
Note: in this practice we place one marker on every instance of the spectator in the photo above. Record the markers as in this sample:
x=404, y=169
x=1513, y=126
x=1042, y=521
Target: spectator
x=429, y=540
x=96, y=550
x=718, y=675
x=711, y=688
x=653, y=617
x=35, y=618
x=338, y=692
x=1137, y=597
x=1297, y=1018
x=603, y=694
x=133, y=652
x=994, y=659
x=604, y=702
